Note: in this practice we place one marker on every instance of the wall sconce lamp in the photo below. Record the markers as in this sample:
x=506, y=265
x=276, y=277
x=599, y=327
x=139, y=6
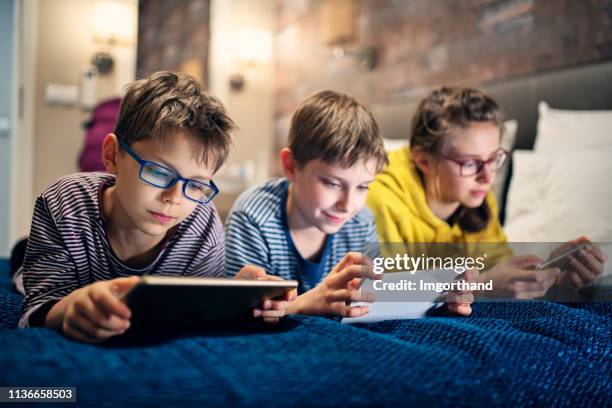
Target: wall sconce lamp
x=252, y=47
x=114, y=23
x=366, y=57
x=340, y=32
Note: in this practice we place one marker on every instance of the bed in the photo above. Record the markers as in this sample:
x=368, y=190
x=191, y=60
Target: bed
x=505, y=354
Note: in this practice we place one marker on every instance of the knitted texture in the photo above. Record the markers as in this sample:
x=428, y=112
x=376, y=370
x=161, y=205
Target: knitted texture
x=505, y=354
x=10, y=300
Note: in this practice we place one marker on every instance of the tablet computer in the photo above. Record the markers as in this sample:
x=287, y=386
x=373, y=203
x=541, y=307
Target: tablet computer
x=188, y=302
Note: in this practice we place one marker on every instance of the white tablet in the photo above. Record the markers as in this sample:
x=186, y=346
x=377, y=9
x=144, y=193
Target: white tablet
x=177, y=302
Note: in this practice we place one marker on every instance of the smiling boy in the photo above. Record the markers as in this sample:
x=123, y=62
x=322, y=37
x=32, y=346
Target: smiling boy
x=94, y=234
x=311, y=225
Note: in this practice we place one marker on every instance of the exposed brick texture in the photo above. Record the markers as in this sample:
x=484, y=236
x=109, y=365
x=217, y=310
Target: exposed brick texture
x=173, y=35
x=424, y=43
x=420, y=44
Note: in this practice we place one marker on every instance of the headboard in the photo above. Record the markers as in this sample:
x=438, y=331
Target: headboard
x=587, y=87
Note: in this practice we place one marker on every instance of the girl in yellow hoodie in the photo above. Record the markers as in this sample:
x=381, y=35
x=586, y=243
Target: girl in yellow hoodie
x=438, y=189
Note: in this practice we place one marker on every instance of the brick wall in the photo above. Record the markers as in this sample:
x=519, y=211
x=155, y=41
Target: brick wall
x=173, y=35
x=423, y=43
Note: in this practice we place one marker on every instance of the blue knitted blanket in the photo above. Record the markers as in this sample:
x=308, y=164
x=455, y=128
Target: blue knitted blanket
x=525, y=354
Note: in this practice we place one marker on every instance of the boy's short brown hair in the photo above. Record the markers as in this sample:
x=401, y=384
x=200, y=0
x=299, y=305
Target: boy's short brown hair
x=335, y=128
x=167, y=102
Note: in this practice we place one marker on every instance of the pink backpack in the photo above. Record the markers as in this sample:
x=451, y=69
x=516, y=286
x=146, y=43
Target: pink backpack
x=102, y=122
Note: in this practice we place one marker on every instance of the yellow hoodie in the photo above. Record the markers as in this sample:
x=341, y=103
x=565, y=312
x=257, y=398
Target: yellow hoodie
x=397, y=199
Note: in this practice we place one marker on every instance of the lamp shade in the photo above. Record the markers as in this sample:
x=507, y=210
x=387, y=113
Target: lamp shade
x=115, y=21
x=252, y=45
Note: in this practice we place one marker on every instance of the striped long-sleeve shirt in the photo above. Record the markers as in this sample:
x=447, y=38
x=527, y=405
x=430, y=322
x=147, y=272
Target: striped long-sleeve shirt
x=257, y=234
x=69, y=248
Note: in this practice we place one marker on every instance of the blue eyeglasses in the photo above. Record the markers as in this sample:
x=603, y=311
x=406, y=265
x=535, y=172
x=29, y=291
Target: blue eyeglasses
x=163, y=177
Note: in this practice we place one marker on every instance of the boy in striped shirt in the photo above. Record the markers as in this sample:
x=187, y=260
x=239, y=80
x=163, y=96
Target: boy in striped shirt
x=313, y=225
x=94, y=234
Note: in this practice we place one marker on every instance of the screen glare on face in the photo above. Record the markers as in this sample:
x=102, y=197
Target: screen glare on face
x=157, y=175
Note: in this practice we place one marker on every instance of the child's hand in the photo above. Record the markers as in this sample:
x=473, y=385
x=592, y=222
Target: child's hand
x=333, y=295
x=272, y=310
x=93, y=313
x=517, y=278
x=460, y=301
x=582, y=267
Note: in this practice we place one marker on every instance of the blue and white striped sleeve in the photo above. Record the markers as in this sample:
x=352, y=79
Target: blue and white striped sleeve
x=211, y=254
x=244, y=244
x=372, y=244
x=49, y=272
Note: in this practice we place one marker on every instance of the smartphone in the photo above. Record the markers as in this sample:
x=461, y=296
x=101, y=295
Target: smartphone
x=562, y=256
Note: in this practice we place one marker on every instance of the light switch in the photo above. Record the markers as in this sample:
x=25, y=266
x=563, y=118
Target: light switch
x=58, y=94
x=5, y=127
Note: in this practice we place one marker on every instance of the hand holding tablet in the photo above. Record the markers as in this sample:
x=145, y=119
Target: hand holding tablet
x=178, y=302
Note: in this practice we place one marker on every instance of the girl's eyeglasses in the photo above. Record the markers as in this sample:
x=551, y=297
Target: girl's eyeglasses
x=471, y=167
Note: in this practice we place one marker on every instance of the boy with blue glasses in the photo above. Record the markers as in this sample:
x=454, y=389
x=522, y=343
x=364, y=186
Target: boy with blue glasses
x=163, y=177
x=150, y=215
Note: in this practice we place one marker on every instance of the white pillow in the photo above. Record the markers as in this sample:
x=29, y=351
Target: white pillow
x=570, y=129
x=558, y=196
x=394, y=144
